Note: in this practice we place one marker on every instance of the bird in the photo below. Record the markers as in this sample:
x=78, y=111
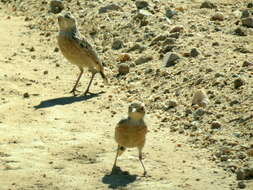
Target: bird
x=131, y=132
x=77, y=50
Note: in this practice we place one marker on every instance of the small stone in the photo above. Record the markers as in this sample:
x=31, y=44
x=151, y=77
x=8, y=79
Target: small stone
x=117, y=44
x=123, y=68
x=170, y=13
x=111, y=7
x=250, y=5
x=177, y=29
x=240, y=32
x=45, y=72
x=56, y=49
x=247, y=64
x=143, y=59
x=224, y=158
x=248, y=22
x=194, y=52
x=172, y=103
x=217, y=17
x=200, y=98
x=32, y=49
x=250, y=152
x=26, y=95
x=199, y=112
x=141, y=4
x=143, y=13
x=124, y=58
x=215, y=125
x=238, y=83
x=136, y=47
x=241, y=185
x=56, y=6
x=208, y=5
x=170, y=59
x=245, y=14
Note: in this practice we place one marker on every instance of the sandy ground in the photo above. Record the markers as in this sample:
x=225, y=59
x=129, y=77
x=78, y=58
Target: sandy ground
x=54, y=141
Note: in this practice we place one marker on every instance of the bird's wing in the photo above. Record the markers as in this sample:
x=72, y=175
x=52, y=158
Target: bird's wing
x=83, y=44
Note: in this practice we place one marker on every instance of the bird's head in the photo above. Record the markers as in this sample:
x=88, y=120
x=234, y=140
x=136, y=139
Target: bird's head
x=136, y=111
x=66, y=21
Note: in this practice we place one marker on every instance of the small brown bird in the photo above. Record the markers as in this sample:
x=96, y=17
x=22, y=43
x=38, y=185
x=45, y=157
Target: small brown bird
x=77, y=50
x=131, y=132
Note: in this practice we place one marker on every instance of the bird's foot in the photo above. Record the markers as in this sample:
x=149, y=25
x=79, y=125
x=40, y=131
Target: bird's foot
x=73, y=91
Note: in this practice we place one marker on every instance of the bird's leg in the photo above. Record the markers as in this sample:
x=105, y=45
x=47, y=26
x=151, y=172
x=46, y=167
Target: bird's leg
x=77, y=81
x=120, y=151
x=140, y=158
x=87, y=90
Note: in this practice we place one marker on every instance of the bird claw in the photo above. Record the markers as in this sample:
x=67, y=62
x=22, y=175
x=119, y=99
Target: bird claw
x=73, y=91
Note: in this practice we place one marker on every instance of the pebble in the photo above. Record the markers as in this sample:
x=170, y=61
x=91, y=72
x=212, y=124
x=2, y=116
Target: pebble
x=177, y=29
x=199, y=112
x=26, y=95
x=111, y=7
x=238, y=83
x=215, y=125
x=141, y=4
x=208, y=5
x=124, y=58
x=56, y=6
x=240, y=31
x=136, y=47
x=245, y=14
x=117, y=44
x=143, y=13
x=143, y=59
x=172, y=103
x=217, y=17
x=244, y=173
x=248, y=22
x=123, y=68
x=170, y=59
x=250, y=5
x=194, y=52
x=247, y=64
x=241, y=185
x=170, y=13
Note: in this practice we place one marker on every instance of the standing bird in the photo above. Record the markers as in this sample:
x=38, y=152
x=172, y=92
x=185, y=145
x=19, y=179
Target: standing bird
x=77, y=50
x=131, y=132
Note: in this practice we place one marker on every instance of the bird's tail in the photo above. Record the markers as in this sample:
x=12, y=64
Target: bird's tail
x=104, y=77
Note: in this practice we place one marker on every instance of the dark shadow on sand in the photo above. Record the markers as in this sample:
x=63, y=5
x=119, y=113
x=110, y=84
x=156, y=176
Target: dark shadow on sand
x=65, y=100
x=118, y=178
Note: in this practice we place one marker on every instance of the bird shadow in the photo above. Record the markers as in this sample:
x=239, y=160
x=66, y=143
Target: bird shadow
x=65, y=100
x=118, y=178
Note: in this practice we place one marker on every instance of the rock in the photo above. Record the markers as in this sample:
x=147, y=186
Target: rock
x=241, y=185
x=123, y=68
x=238, y=83
x=143, y=59
x=172, y=103
x=248, y=22
x=240, y=31
x=217, y=17
x=136, y=47
x=194, y=52
x=117, y=44
x=224, y=158
x=170, y=59
x=250, y=5
x=215, y=125
x=250, y=152
x=56, y=6
x=244, y=173
x=111, y=7
x=170, y=13
x=247, y=64
x=124, y=58
x=177, y=29
x=199, y=112
x=45, y=72
x=143, y=13
x=26, y=95
x=141, y=4
x=245, y=14
x=208, y=5
x=200, y=98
